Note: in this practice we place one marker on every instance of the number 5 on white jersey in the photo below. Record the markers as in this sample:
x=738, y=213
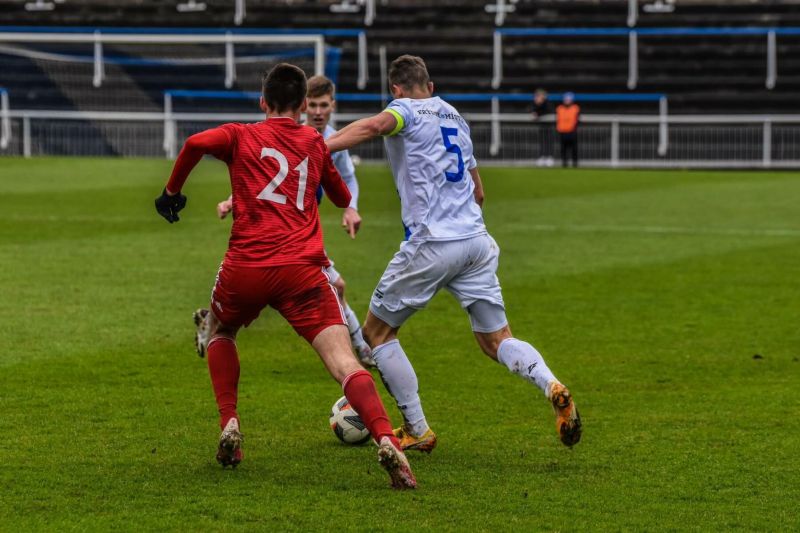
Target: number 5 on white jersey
x=269, y=193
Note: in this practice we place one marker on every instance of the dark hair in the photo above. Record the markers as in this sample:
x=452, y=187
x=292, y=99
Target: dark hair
x=320, y=86
x=284, y=87
x=408, y=71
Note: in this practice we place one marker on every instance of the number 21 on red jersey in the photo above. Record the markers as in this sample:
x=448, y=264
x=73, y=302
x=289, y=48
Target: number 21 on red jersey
x=269, y=194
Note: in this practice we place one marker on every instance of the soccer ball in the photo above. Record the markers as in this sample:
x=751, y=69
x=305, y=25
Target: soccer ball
x=346, y=423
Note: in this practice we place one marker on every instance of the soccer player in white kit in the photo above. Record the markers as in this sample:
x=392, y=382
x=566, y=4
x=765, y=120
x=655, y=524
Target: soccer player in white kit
x=447, y=246
x=321, y=97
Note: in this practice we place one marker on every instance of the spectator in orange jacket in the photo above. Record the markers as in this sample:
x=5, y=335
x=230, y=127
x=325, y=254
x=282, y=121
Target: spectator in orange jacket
x=567, y=119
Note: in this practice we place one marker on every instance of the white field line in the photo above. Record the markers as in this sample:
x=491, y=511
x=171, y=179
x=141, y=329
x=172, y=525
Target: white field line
x=611, y=228
x=663, y=230
x=549, y=228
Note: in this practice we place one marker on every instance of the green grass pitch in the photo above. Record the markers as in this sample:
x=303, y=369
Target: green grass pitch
x=668, y=301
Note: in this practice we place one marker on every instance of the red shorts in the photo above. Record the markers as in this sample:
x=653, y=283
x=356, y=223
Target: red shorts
x=301, y=293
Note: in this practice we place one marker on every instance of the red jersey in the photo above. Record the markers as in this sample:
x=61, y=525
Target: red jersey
x=275, y=168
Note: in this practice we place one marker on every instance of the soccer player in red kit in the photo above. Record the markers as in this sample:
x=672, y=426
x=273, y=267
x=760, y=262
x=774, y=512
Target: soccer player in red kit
x=275, y=256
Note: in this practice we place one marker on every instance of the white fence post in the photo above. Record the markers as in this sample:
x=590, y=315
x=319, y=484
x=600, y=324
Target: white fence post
x=319, y=61
x=494, y=146
x=26, y=136
x=369, y=12
x=772, y=60
x=5, y=118
x=633, y=12
x=230, y=64
x=497, y=76
x=615, y=144
x=99, y=67
x=663, y=127
x=767, y=145
x=363, y=68
x=633, y=60
x=500, y=9
x=240, y=13
x=384, y=75
x=170, y=128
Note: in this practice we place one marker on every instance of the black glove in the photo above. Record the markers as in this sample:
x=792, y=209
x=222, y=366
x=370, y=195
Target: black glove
x=168, y=206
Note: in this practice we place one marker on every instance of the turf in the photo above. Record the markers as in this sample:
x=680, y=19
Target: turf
x=667, y=301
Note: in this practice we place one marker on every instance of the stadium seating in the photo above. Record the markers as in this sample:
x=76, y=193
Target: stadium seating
x=703, y=73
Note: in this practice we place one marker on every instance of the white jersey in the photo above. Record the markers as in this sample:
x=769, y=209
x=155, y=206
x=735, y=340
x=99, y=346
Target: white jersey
x=430, y=152
x=343, y=163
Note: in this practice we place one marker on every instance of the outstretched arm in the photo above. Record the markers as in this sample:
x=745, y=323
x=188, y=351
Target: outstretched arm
x=217, y=142
x=362, y=130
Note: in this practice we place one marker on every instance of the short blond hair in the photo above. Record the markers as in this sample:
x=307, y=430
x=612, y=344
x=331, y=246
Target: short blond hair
x=320, y=86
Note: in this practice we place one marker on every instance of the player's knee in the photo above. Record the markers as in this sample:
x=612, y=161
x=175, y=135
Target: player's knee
x=368, y=334
x=377, y=333
x=217, y=329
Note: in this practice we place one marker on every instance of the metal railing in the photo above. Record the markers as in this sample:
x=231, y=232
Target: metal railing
x=720, y=141
x=494, y=115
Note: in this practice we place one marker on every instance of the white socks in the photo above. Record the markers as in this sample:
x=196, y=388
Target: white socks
x=354, y=326
x=399, y=377
x=521, y=358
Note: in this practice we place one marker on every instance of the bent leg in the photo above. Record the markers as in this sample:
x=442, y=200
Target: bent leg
x=479, y=292
x=333, y=346
x=413, y=276
x=498, y=343
x=396, y=371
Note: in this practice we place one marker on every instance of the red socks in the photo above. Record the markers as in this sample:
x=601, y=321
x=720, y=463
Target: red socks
x=359, y=388
x=223, y=365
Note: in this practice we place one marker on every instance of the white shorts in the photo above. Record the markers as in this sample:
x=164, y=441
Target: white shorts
x=467, y=268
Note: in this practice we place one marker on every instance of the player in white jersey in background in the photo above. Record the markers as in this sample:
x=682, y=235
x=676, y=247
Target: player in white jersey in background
x=447, y=246
x=321, y=94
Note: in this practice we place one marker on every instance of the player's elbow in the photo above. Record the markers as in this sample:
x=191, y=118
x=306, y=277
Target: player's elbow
x=193, y=143
x=375, y=126
x=376, y=130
